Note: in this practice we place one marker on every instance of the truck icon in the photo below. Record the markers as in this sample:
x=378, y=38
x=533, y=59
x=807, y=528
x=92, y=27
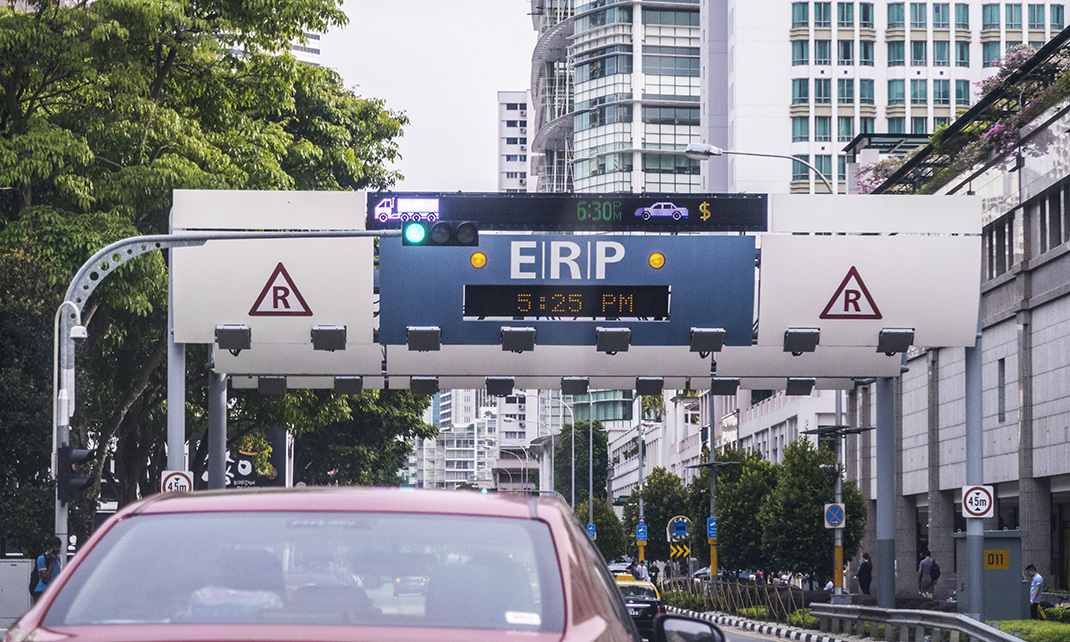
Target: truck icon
x=397, y=208
x=662, y=209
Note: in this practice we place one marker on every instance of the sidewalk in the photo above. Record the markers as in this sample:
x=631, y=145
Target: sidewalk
x=775, y=630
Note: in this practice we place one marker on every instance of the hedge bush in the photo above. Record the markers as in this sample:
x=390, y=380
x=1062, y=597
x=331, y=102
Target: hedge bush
x=1037, y=630
x=755, y=613
x=803, y=620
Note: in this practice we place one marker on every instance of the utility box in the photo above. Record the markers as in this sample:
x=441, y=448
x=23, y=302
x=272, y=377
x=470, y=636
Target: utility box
x=1006, y=595
x=14, y=589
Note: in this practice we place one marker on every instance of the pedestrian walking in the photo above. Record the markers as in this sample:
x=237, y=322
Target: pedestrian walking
x=644, y=574
x=1036, y=588
x=865, y=573
x=654, y=572
x=926, y=581
x=48, y=566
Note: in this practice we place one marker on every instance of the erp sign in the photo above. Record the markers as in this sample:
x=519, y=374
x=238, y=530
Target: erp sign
x=565, y=286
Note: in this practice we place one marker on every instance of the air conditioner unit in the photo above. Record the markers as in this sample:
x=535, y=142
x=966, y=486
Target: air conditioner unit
x=523, y=113
x=522, y=424
x=523, y=148
x=523, y=181
x=523, y=130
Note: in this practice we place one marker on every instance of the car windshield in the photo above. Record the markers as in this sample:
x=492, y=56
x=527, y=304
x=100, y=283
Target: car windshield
x=378, y=569
x=638, y=590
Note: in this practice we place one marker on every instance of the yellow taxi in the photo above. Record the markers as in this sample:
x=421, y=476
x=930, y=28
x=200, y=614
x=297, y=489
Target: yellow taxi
x=643, y=601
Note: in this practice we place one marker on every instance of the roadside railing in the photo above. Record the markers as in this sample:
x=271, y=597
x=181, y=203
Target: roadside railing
x=903, y=625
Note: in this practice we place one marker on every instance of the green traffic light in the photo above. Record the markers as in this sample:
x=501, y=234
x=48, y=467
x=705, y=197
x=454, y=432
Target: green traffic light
x=415, y=233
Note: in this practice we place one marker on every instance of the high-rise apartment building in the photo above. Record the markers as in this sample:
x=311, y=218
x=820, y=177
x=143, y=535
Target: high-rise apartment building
x=803, y=78
x=512, y=141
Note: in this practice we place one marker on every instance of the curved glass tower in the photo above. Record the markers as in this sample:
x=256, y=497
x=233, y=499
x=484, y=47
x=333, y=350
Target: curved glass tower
x=615, y=84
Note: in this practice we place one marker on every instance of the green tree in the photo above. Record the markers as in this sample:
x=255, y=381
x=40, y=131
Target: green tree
x=739, y=492
x=664, y=497
x=563, y=462
x=610, y=538
x=794, y=536
x=105, y=109
x=27, y=306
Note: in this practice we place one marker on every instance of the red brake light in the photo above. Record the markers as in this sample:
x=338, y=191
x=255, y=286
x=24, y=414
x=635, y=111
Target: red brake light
x=661, y=609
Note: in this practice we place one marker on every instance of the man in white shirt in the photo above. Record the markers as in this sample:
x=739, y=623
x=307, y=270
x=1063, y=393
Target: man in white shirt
x=1036, y=588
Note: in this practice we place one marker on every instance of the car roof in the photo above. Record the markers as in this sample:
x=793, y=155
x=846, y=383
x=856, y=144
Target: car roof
x=335, y=498
x=635, y=582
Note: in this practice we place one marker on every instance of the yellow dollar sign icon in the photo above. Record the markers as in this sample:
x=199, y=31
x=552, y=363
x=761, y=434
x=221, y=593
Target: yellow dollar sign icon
x=705, y=209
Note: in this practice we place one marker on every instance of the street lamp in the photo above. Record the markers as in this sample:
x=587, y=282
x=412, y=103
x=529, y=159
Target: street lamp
x=702, y=151
x=714, y=466
x=522, y=460
x=572, y=416
x=837, y=432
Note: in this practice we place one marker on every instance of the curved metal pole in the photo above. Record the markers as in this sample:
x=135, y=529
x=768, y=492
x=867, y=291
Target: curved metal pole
x=825, y=180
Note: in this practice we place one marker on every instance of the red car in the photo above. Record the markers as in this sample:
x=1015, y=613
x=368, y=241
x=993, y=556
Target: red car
x=321, y=564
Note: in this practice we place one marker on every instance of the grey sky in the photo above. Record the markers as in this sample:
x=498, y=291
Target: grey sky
x=442, y=62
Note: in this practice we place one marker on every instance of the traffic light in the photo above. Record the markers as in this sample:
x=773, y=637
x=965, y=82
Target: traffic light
x=440, y=233
x=67, y=482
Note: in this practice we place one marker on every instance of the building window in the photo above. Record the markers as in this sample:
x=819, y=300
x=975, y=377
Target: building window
x=845, y=91
x=865, y=53
x=918, y=19
x=822, y=52
x=846, y=129
x=823, y=163
x=865, y=15
x=919, y=91
x=940, y=121
x=845, y=14
x=799, y=171
x=896, y=94
x=1056, y=17
x=990, y=16
x=687, y=66
x=941, y=15
x=822, y=14
x=989, y=54
x=865, y=91
x=512, y=106
x=1036, y=16
x=867, y=125
x=800, y=91
x=962, y=54
x=896, y=53
x=823, y=129
x=941, y=92
x=962, y=16
x=919, y=54
x=800, y=14
x=962, y=92
x=656, y=115
x=800, y=129
x=1014, y=16
x=941, y=53
x=845, y=52
x=897, y=125
x=895, y=15
x=1001, y=390
x=822, y=91
x=669, y=17
x=918, y=125
x=512, y=141
x=841, y=167
x=800, y=52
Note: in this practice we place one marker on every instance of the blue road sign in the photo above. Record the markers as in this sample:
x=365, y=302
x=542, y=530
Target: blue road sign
x=711, y=527
x=590, y=531
x=565, y=287
x=834, y=515
x=640, y=532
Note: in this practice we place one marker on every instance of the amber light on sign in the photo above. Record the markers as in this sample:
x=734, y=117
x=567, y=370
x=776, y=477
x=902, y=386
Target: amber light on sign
x=657, y=260
x=478, y=259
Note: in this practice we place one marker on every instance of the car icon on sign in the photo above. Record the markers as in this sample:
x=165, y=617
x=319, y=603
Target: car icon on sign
x=662, y=209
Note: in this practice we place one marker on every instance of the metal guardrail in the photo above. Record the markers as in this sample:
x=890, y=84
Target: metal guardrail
x=904, y=624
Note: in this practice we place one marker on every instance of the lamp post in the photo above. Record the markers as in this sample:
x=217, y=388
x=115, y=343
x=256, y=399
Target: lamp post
x=553, y=477
x=714, y=466
x=837, y=432
x=702, y=151
x=522, y=460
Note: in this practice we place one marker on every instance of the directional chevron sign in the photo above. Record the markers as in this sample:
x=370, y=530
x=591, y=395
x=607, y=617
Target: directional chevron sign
x=679, y=550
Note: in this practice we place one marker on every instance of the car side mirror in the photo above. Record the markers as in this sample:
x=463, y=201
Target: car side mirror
x=680, y=628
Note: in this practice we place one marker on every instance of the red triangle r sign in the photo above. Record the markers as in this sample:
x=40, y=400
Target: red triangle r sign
x=280, y=297
x=851, y=300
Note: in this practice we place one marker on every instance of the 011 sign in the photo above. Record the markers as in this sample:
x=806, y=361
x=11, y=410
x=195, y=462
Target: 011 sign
x=978, y=501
